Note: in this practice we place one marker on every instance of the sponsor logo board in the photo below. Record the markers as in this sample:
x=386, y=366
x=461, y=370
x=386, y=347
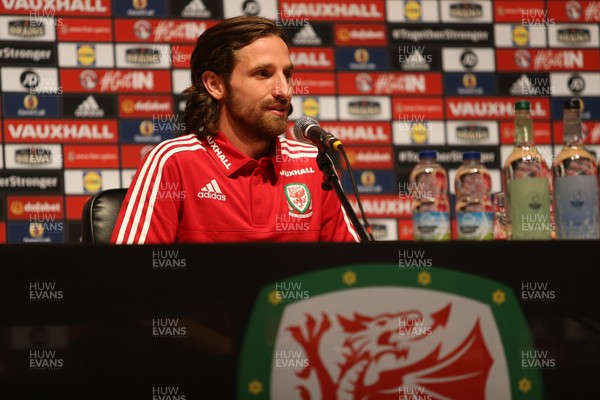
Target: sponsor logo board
x=548, y=59
x=471, y=12
x=40, y=81
x=418, y=131
x=313, y=58
x=90, y=181
x=263, y=8
x=144, y=106
x=442, y=34
x=417, y=108
x=93, y=156
x=60, y=131
x=115, y=81
x=25, y=54
x=160, y=30
x=371, y=181
x=333, y=10
x=86, y=55
x=30, y=105
x=574, y=35
x=361, y=59
x=495, y=108
x=470, y=83
x=517, y=35
x=144, y=8
x=38, y=182
x=465, y=133
x=58, y=8
x=378, y=83
x=323, y=108
x=574, y=11
x=197, y=9
x=360, y=35
x=89, y=106
x=26, y=28
x=374, y=108
x=412, y=11
x=181, y=56
x=513, y=11
x=575, y=83
x=370, y=157
x=143, y=56
x=469, y=59
x=34, y=156
x=40, y=207
x=80, y=30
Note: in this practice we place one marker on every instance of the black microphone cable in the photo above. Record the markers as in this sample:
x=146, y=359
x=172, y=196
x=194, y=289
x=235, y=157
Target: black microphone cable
x=368, y=229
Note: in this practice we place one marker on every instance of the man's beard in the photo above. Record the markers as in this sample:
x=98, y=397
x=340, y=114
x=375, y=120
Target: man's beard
x=257, y=121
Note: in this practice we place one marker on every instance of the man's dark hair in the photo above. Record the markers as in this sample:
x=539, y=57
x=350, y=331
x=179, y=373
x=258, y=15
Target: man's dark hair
x=216, y=51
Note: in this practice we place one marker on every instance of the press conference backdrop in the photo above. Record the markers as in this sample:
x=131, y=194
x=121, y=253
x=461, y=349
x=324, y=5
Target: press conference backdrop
x=90, y=86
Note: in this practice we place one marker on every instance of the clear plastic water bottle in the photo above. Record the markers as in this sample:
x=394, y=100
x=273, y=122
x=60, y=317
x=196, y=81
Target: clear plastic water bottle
x=430, y=205
x=526, y=181
x=473, y=188
x=575, y=173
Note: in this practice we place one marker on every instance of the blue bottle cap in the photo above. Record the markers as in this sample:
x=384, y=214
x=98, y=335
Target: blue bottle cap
x=428, y=154
x=472, y=155
x=573, y=104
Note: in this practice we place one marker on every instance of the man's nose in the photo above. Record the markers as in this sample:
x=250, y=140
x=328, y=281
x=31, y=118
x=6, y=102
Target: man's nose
x=283, y=87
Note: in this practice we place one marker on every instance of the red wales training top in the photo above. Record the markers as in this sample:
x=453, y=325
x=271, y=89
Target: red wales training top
x=191, y=189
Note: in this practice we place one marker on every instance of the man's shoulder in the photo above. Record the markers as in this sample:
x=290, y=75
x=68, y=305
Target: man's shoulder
x=178, y=146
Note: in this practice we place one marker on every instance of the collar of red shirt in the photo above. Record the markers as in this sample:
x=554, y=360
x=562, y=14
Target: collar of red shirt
x=232, y=161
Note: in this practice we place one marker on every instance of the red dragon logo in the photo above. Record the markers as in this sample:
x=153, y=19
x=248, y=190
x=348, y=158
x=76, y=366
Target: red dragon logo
x=368, y=340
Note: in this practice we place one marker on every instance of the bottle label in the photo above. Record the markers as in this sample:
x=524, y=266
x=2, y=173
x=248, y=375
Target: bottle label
x=475, y=225
x=431, y=225
x=530, y=209
x=577, y=207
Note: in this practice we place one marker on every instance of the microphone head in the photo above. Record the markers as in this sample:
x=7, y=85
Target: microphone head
x=300, y=127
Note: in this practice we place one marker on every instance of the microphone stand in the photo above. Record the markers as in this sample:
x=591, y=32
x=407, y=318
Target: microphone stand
x=332, y=181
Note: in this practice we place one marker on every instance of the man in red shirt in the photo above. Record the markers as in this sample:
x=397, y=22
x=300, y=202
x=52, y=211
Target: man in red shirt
x=232, y=177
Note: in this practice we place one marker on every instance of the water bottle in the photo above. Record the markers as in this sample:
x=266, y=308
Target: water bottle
x=575, y=174
x=526, y=181
x=473, y=187
x=428, y=184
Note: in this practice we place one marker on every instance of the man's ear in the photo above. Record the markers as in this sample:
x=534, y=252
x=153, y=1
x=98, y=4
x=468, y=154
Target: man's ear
x=214, y=84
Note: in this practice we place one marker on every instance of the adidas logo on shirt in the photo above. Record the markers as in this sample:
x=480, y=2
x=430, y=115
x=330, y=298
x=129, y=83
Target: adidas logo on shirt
x=212, y=191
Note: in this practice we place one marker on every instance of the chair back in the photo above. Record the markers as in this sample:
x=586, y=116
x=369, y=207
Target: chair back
x=99, y=215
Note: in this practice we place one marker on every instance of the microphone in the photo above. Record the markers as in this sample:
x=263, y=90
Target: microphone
x=308, y=130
